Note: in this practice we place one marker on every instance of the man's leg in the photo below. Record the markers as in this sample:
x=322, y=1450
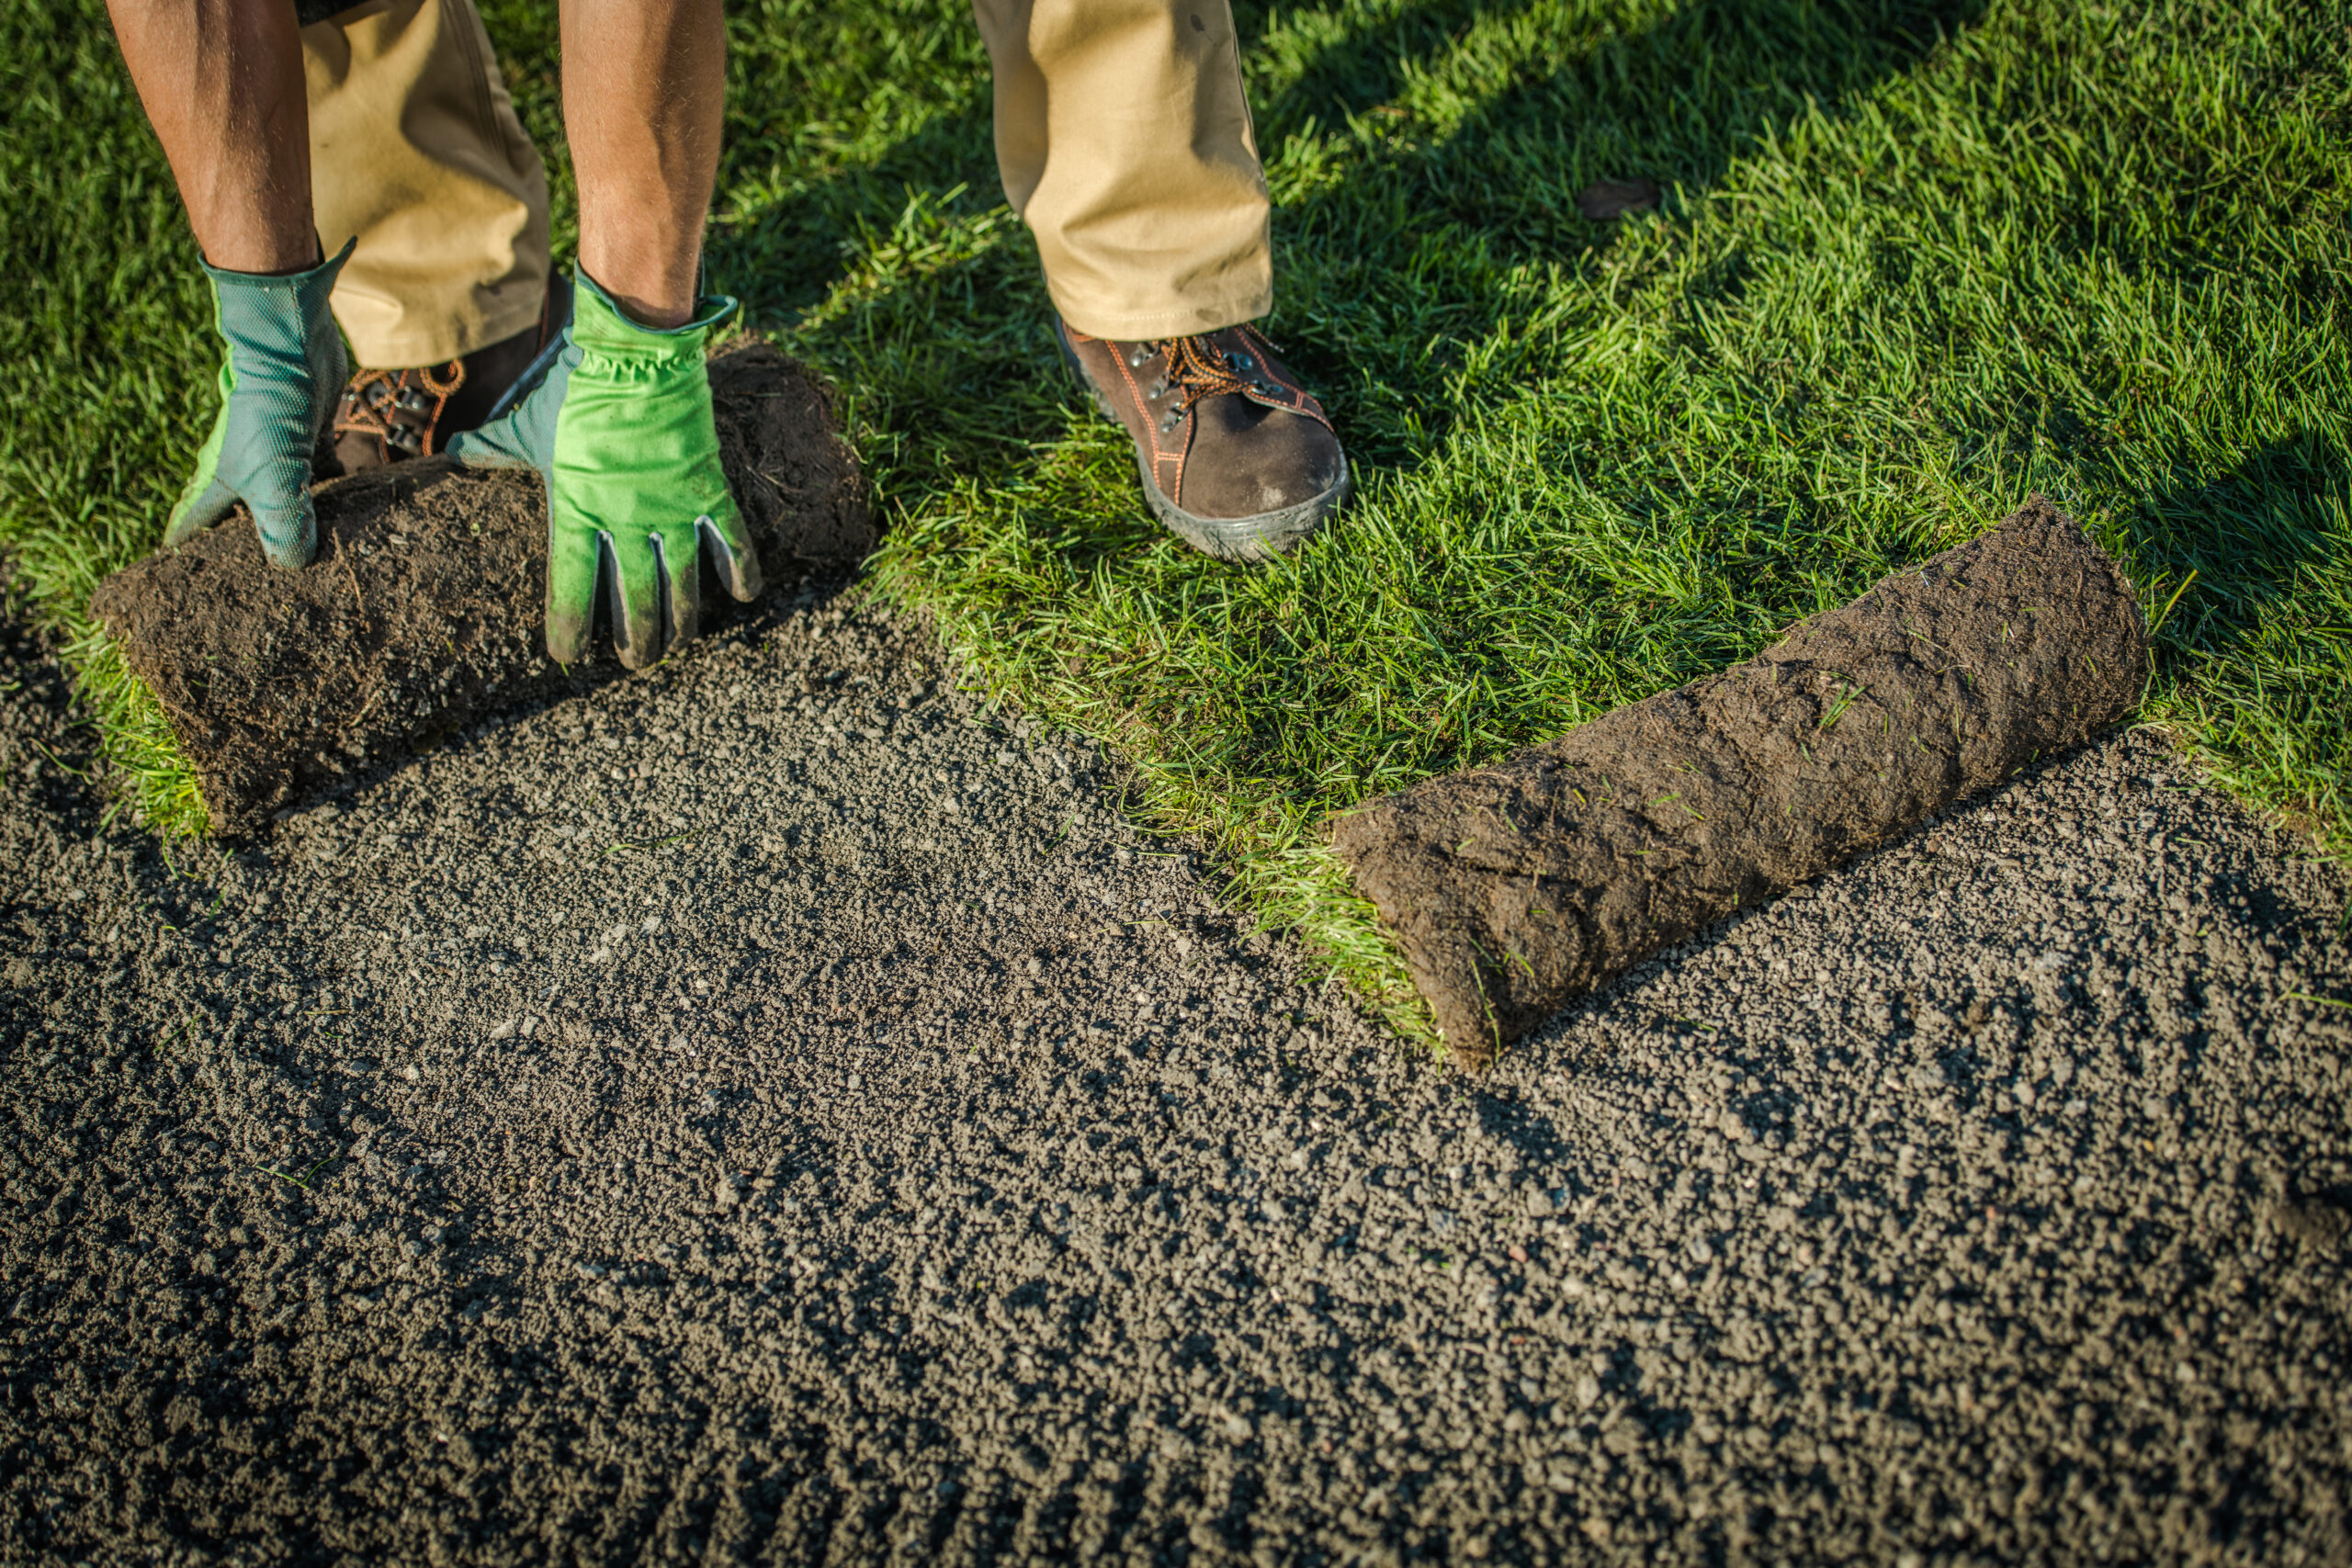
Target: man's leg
x=416, y=151
x=222, y=82
x=1123, y=140
x=644, y=94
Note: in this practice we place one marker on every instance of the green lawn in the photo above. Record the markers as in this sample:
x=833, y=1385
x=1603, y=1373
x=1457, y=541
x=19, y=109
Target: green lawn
x=1917, y=260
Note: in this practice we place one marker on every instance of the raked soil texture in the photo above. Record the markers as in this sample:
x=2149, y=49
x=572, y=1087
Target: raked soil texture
x=775, y=1110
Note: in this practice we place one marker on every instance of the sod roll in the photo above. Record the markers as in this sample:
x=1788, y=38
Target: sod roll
x=422, y=613
x=1513, y=889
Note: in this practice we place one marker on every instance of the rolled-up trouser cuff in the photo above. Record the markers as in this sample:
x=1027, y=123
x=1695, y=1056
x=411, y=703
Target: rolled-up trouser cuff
x=1206, y=316
x=1125, y=142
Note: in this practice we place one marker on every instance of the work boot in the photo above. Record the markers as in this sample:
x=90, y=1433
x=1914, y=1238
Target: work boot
x=1236, y=457
x=389, y=416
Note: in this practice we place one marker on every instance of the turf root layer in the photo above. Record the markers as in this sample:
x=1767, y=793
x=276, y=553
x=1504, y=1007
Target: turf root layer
x=422, y=612
x=1513, y=889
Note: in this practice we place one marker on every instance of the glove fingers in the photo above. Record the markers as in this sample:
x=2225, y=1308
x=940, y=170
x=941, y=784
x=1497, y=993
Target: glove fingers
x=636, y=604
x=573, y=557
x=726, y=544
x=681, y=574
x=193, y=517
x=290, y=536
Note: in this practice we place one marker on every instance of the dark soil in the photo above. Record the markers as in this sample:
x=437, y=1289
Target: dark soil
x=1604, y=200
x=423, y=611
x=771, y=1111
x=1515, y=887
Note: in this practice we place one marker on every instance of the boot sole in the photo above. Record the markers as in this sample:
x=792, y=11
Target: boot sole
x=1258, y=538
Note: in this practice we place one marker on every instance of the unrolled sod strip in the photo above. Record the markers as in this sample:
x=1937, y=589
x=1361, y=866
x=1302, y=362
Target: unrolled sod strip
x=1513, y=889
x=422, y=613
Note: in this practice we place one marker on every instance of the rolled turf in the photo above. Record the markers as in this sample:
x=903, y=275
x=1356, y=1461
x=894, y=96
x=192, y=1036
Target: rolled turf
x=422, y=612
x=1513, y=889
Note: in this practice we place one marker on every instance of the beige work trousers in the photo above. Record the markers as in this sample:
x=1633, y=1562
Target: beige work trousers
x=1125, y=142
x=1122, y=137
x=417, y=150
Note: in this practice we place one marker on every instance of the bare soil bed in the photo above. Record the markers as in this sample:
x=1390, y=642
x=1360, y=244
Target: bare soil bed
x=770, y=1110
x=423, y=608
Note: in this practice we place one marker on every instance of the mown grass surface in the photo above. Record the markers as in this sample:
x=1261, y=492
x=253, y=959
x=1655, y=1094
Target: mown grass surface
x=1916, y=260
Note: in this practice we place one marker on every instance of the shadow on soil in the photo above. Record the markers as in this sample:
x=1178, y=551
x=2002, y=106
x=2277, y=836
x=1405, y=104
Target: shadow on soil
x=778, y=607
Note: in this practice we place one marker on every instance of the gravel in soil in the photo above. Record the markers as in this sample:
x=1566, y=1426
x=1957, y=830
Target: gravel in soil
x=772, y=1109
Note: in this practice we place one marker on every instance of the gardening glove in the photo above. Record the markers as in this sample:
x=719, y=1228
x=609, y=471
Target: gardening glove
x=617, y=418
x=282, y=369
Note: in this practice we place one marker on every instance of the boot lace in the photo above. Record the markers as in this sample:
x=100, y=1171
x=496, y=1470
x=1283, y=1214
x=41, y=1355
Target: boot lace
x=1199, y=369
x=400, y=407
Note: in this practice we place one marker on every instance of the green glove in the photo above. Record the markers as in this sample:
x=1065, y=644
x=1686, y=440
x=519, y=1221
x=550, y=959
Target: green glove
x=617, y=418
x=282, y=369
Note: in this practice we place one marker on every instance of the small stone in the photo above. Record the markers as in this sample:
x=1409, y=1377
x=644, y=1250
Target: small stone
x=1606, y=199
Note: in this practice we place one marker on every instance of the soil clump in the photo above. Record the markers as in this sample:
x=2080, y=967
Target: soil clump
x=1515, y=887
x=422, y=610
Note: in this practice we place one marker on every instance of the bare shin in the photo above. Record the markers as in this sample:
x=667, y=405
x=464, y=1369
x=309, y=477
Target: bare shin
x=221, y=81
x=644, y=86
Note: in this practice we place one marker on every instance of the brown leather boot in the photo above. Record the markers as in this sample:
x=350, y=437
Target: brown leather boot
x=389, y=416
x=1237, y=458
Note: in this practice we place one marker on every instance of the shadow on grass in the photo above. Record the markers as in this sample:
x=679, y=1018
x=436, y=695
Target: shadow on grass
x=2250, y=647
x=2233, y=544
x=1393, y=272
x=1417, y=226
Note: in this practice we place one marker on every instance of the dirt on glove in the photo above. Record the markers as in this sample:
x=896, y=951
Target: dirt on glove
x=1513, y=889
x=422, y=613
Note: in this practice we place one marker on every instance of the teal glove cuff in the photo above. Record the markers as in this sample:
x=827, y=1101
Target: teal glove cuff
x=282, y=369
x=619, y=423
